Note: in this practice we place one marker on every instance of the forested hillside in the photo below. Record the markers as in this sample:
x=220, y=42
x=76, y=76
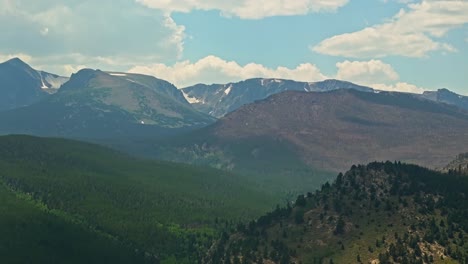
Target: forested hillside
x=167, y=210
x=32, y=233
x=379, y=213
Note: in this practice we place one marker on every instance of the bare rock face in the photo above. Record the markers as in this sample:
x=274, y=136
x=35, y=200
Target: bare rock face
x=459, y=165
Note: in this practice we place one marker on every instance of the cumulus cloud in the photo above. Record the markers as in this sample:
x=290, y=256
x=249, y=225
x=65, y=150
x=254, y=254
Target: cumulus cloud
x=399, y=87
x=413, y=32
x=247, y=9
x=367, y=72
x=69, y=69
x=212, y=69
x=376, y=74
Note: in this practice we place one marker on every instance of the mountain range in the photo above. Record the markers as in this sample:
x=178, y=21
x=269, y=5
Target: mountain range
x=22, y=85
x=269, y=127
x=270, y=141
x=289, y=134
x=220, y=99
x=96, y=104
x=331, y=130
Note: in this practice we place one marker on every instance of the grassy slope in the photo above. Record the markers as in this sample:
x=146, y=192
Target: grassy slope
x=145, y=203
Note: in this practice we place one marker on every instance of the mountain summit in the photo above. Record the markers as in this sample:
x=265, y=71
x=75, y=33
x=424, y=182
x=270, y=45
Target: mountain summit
x=21, y=85
x=446, y=96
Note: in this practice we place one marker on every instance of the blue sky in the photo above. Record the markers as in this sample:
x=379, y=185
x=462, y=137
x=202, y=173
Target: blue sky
x=388, y=44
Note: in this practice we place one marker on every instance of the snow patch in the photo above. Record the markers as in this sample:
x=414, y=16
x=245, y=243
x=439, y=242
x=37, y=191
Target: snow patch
x=43, y=85
x=55, y=82
x=228, y=90
x=192, y=100
x=266, y=81
x=118, y=74
x=42, y=81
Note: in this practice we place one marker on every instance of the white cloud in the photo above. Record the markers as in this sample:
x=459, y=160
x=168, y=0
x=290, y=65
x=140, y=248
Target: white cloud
x=366, y=71
x=412, y=33
x=69, y=69
x=247, y=9
x=212, y=69
x=375, y=74
x=399, y=87
x=178, y=36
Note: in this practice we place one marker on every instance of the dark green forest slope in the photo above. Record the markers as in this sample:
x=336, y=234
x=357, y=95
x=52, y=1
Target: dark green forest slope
x=31, y=233
x=379, y=213
x=164, y=209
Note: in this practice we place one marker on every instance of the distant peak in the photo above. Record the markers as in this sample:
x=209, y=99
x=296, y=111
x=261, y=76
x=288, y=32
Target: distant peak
x=87, y=73
x=87, y=70
x=444, y=90
x=81, y=79
x=17, y=62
